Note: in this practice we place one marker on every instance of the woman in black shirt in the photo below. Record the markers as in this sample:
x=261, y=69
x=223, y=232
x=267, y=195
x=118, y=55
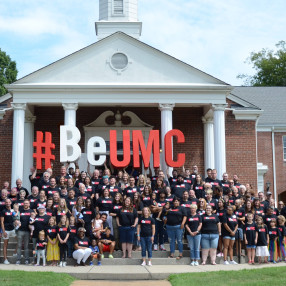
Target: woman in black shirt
x=193, y=227
x=210, y=234
x=127, y=220
x=176, y=219
x=229, y=228
x=145, y=234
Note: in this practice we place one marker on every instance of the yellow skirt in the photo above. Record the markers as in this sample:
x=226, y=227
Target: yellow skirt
x=53, y=251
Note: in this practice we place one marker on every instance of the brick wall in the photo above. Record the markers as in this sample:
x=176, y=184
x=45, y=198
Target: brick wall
x=6, y=134
x=187, y=120
x=265, y=156
x=241, y=149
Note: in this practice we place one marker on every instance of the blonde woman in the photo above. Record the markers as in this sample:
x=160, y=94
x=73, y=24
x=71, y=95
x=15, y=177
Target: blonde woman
x=145, y=234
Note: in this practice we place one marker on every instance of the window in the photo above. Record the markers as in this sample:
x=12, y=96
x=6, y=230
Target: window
x=284, y=148
x=118, y=7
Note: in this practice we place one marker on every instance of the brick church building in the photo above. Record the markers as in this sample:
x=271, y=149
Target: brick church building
x=121, y=83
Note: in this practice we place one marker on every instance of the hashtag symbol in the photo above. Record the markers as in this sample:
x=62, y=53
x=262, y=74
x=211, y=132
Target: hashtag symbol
x=47, y=146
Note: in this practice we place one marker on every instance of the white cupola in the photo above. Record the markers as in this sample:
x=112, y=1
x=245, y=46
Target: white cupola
x=118, y=15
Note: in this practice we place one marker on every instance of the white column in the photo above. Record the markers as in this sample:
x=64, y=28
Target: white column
x=28, y=149
x=219, y=139
x=70, y=113
x=208, y=142
x=18, y=142
x=166, y=125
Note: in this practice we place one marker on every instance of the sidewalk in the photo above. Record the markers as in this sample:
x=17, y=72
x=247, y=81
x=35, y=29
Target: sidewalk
x=133, y=272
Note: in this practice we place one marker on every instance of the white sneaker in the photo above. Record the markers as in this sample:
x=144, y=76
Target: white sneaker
x=61, y=264
x=162, y=247
x=232, y=262
x=143, y=263
x=64, y=264
x=226, y=262
x=149, y=263
x=192, y=263
x=155, y=247
x=196, y=263
x=6, y=262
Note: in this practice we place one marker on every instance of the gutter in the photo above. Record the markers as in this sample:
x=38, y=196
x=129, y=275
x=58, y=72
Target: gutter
x=274, y=166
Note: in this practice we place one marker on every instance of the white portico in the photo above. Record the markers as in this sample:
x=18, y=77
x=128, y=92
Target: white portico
x=119, y=71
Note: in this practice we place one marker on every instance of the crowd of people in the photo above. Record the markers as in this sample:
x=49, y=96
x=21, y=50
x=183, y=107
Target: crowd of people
x=88, y=216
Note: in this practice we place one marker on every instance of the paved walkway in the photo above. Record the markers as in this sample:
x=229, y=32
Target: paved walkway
x=134, y=272
x=120, y=283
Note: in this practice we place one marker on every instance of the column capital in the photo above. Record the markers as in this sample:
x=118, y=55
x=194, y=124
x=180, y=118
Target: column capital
x=70, y=106
x=166, y=106
x=19, y=106
x=207, y=120
x=219, y=107
x=30, y=119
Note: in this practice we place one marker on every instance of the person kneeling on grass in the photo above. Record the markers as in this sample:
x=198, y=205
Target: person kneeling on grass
x=95, y=252
x=81, y=245
x=106, y=243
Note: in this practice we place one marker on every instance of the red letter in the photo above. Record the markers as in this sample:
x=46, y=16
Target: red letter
x=168, y=148
x=126, y=149
x=153, y=141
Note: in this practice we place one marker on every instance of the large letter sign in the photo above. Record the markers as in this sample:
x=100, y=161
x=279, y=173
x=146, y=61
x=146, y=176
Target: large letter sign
x=70, y=151
x=126, y=149
x=168, y=148
x=153, y=141
x=69, y=148
x=95, y=151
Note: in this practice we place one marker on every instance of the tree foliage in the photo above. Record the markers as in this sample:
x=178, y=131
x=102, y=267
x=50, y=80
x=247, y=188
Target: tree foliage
x=270, y=67
x=8, y=71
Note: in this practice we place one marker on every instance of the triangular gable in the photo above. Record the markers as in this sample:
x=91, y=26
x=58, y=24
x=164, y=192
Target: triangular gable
x=92, y=65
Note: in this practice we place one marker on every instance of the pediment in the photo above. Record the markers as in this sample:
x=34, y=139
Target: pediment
x=97, y=64
x=110, y=119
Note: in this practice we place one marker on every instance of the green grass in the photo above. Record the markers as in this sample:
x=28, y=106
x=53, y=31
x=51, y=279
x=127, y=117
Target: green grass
x=256, y=277
x=25, y=278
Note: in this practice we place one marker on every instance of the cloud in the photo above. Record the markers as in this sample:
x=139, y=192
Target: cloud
x=214, y=36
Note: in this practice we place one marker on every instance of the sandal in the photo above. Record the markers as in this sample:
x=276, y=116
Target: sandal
x=171, y=256
x=179, y=257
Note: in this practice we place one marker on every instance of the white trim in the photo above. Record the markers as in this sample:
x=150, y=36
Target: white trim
x=261, y=171
x=247, y=114
x=238, y=100
x=5, y=97
x=271, y=128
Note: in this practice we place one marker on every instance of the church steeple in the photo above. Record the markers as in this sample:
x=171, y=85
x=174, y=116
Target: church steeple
x=118, y=15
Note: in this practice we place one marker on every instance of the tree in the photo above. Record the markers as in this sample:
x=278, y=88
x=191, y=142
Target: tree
x=270, y=67
x=8, y=71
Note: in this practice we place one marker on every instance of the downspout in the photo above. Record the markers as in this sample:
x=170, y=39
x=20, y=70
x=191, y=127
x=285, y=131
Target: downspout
x=274, y=167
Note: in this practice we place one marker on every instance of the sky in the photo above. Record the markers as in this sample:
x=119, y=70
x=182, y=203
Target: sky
x=215, y=36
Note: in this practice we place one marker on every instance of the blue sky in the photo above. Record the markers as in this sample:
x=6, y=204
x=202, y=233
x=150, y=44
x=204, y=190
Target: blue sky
x=215, y=36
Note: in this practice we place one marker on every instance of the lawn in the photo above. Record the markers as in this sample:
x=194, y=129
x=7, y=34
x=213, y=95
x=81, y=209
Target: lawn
x=266, y=276
x=25, y=278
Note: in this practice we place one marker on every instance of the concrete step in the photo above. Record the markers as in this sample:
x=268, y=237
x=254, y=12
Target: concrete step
x=135, y=261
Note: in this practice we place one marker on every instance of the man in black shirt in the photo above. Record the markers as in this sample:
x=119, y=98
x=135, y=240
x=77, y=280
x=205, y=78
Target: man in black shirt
x=23, y=233
x=106, y=243
x=225, y=183
x=209, y=175
x=7, y=227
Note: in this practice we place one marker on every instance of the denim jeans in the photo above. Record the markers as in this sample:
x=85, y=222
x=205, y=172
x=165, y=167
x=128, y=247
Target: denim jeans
x=175, y=233
x=159, y=232
x=146, y=244
x=209, y=241
x=23, y=238
x=194, y=243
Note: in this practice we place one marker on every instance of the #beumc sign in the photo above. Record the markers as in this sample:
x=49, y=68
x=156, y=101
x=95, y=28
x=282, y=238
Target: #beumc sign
x=70, y=151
